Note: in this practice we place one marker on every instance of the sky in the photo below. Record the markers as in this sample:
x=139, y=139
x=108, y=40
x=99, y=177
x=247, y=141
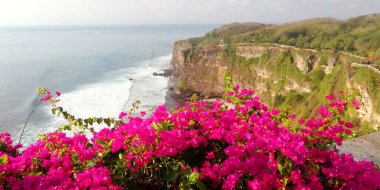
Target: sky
x=112, y=12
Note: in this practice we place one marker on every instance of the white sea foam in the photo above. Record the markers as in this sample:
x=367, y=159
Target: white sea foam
x=99, y=99
x=107, y=98
x=119, y=90
x=149, y=89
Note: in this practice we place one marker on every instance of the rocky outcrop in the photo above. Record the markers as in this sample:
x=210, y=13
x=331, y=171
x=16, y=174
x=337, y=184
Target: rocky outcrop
x=300, y=63
x=249, y=52
x=295, y=86
x=305, y=63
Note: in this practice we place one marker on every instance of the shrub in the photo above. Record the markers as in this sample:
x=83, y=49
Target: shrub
x=198, y=146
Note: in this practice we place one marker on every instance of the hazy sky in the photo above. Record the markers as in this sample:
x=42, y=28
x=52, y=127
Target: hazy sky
x=77, y=12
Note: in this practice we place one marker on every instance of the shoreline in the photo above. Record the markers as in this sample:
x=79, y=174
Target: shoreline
x=171, y=102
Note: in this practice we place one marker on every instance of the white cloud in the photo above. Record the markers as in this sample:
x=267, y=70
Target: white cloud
x=52, y=12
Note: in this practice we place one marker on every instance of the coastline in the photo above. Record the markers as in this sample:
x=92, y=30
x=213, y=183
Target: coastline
x=171, y=102
x=171, y=99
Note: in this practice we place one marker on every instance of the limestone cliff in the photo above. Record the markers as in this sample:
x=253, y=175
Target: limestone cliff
x=282, y=76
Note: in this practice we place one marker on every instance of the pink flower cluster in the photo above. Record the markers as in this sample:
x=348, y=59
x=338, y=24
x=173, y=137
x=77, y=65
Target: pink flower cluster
x=55, y=162
x=244, y=147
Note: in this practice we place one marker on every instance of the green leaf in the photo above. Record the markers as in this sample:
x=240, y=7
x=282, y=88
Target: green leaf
x=280, y=167
x=102, y=143
x=4, y=159
x=34, y=173
x=90, y=164
x=107, y=121
x=99, y=120
x=75, y=158
x=90, y=121
x=154, y=124
x=54, y=110
x=80, y=122
x=65, y=115
x=194, y=177
x=191, y=122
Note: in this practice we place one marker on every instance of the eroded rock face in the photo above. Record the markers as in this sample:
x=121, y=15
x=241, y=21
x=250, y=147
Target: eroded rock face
x=204, y=73
x=311, y=62
x=180, y=53
x=367, y=110
x=330, y=65
x=300, y=63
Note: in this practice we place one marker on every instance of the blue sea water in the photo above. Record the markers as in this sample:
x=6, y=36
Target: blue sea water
x=100, y=70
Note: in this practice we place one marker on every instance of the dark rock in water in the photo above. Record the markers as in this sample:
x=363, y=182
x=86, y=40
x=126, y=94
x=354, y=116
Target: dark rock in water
x=171, y=88
x=130, y=79
x=165, y=73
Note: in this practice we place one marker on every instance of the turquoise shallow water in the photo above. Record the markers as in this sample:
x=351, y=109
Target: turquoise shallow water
x=100, y=70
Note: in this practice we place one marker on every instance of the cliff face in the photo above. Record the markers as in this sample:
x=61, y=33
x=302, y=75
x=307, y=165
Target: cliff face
x=200, y=72
x=180, y=53
x=282, y=76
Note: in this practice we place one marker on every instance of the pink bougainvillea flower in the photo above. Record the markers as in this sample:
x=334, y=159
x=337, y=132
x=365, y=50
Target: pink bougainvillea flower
x=323, y=111
x=330, y=96
x=275, y=112
x=122, y=114
x=46, y=97
x=301, y=121
x=210, y=155
x=356, y=104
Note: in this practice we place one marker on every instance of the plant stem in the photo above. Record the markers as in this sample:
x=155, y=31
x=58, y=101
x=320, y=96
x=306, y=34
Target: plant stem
x=27, y=120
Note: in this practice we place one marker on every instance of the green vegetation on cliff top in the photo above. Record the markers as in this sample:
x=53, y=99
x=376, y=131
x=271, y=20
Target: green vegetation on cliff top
x=360, y=35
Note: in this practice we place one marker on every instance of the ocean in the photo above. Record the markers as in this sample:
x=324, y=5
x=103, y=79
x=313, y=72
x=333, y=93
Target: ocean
x=100, y=71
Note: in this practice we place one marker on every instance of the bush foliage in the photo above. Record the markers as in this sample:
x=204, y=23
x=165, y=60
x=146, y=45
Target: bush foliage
x=198, y=146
